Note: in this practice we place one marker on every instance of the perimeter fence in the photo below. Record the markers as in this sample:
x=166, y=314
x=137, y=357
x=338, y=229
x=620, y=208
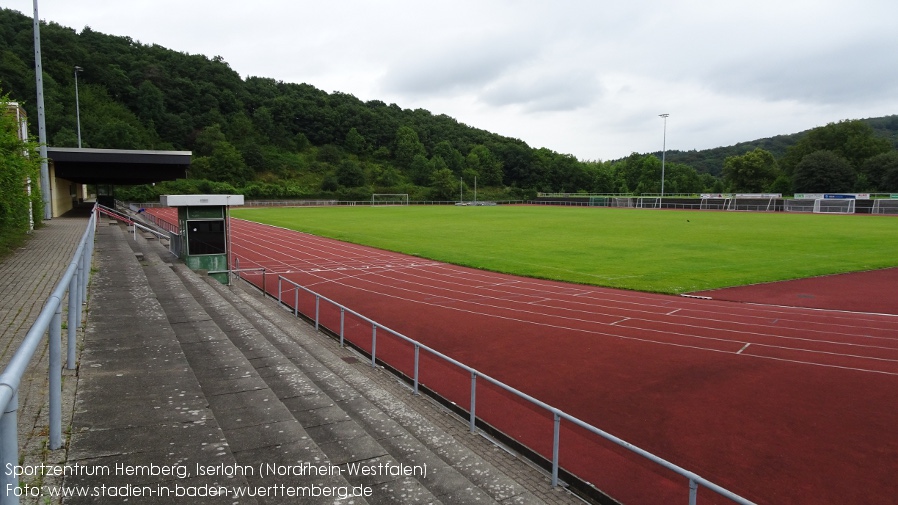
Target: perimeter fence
x=487, y=403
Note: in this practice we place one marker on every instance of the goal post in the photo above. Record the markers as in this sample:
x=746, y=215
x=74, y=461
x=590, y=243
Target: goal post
x=798, y=205
x=885, y=206
x=834, y=206
x=389, y=199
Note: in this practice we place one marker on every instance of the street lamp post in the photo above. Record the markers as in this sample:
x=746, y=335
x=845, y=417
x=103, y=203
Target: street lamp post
x=663, y=155
x=77, y=105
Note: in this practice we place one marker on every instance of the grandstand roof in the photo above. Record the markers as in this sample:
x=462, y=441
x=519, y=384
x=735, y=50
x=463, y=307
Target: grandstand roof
x=118, y=166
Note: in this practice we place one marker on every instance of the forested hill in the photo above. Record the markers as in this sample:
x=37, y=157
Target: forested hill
x=271, y=139
x=712, y=160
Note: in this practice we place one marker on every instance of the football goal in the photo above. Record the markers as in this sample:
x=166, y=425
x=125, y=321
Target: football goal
x=749, y=203
x=621, y=201
x=648, y=202
x=881, y=206
x=834, y=206
x=599, y=201
x=389, y=199
x=792, y=205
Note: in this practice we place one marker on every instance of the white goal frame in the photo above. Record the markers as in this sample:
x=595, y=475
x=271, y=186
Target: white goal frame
x=834, y=206
x=755, y=204
x=389, y=199
x=885, y=206
x=797, y=205
x=648, y=202
x=622, y=201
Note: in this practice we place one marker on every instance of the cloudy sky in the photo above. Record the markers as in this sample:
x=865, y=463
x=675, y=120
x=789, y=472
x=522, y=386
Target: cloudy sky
x=588, y=78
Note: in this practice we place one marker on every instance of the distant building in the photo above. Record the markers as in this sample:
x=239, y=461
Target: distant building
x=73, y=170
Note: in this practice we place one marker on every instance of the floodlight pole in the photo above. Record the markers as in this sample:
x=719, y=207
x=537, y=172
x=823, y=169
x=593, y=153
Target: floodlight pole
x=663, y=155
x=41, y=119
x=77, y=105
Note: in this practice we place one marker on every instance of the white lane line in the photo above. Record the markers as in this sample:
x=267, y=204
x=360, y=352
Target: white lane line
x=744, y=347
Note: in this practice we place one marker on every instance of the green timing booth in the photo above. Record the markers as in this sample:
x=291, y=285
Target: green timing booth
x=203, y=221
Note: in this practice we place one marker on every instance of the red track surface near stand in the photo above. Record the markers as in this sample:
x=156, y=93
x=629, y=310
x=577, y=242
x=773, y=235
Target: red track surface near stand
x=777, y=404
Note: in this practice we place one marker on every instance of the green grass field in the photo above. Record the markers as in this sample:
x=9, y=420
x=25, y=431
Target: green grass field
x=646, y=250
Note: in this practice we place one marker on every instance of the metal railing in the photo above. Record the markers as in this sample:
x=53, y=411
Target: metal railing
x=694, y=480
x=74, y=284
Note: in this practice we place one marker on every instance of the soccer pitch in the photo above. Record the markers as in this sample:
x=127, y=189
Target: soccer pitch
x=647, y=250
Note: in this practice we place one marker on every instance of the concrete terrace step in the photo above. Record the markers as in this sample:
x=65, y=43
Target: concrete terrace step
x=338, y=416
x=362, y=412
x=181, y=370
x=138, y=402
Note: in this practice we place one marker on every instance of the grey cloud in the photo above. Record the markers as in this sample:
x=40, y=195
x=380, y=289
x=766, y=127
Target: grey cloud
x=462, y=68
x=543, y=91
x=852, y=74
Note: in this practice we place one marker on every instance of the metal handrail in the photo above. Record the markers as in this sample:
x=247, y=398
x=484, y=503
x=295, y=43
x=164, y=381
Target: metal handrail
x=694, y=480
x=74, y=283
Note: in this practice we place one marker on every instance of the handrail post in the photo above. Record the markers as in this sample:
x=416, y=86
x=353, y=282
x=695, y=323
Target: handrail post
x=295, y=300
x=373, y=344
x=317, y=306
x=693, y=491
x=556, y=446
x=55, y=379
x=280, y=282
x=74, y=310
x=9, y=448
x=417, y=352
x=472, y=421
x=342, y=323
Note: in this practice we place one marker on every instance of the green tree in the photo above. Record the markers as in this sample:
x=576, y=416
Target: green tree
x=454, y=159
x=207, y=139
x=16, y=169
x=853, y=140
x=350, y=174
x=489, y=169
x=355, y=142
x=407, y=147
x=150, y=103
x=752, y=172
x=420, y=170
x=876, y=167
x=443, y=185
x=823, y=171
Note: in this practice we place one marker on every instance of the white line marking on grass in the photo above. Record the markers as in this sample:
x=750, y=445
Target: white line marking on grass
x=744, y=347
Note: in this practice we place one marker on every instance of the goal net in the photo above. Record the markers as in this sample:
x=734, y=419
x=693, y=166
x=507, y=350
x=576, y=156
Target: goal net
x=646, y=202
x=599, y=201
x=751, y=204
x=881, y=206
x=389, y=199
x=622, y=202
x=834, y=206
x=790, y=205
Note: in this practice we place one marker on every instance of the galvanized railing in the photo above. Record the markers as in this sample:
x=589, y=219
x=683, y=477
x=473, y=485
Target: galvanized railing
x=74, y=284
x=694, y=480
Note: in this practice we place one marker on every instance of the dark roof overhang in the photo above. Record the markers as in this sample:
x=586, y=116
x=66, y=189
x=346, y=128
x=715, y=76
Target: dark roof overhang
x=118, y=166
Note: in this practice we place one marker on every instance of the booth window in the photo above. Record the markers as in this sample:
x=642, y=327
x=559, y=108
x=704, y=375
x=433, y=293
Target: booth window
x=206, y=237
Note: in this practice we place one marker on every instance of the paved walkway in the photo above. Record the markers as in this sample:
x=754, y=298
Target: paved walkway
x=27, y=278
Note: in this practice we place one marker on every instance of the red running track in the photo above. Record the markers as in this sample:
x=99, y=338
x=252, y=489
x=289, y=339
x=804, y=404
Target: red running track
x=777, y=404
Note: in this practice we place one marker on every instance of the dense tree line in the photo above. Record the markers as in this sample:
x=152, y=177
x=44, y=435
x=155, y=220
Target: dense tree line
x=271, y=139
x=19, y=165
